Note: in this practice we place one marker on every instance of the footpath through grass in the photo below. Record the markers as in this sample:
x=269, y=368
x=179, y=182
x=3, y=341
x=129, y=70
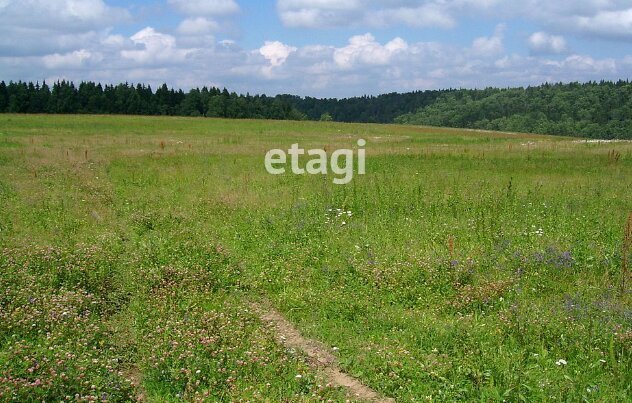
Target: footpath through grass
x=463, y=266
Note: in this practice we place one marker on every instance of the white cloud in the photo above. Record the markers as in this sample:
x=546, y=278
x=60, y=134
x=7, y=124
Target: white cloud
x=336, y=13
x=489, y=46
x=72, y=60
x=205, y=7
x=589, y=64
x=426, y=15
x=115, y=41
x=616, y=23
x=372, y=13
x=33, y=46
x=197, y=26
x=317, y=13
x=38, y=27
x=60, y=15
x=364, y=49
x=155, y=47
x=276, y=52
x=543, y=43
x=603, y=18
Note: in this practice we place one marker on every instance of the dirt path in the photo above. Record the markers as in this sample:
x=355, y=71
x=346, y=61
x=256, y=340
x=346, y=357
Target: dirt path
x=318, y=354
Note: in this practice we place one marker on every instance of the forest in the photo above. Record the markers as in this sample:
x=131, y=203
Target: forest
x=596, y=110
x=93, y=98
x=593, y=109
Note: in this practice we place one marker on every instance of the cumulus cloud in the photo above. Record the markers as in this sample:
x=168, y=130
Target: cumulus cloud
x=154, y=47
x=204, y=18
x=336, y=13
x=425, y=15
x=371, y=13
x=35, y=27
x=276, y=52
x=364, y=49
x=366, y=65
x=579, y=63
x=317, y=13
x=197, y=26
x=85, y=44
x=60, y=15
x=603, y=18
x=543, y=43
x=489, y=46
x=610, y=23
x=205, y=7
x=71, y=60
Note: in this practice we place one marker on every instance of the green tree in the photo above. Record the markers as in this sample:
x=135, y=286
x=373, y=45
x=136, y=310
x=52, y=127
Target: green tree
x=4, y=97
x=326, y=117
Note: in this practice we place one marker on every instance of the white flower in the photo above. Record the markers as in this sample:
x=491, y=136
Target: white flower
x=299, y=376
x=560, y=362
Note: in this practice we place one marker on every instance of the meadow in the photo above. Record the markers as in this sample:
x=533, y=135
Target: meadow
x=464, y=265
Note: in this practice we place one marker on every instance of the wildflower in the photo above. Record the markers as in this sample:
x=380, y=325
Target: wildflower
x=560, y=362
x=299, y=376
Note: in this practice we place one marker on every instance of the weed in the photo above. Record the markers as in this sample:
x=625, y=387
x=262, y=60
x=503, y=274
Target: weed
x=453, y=270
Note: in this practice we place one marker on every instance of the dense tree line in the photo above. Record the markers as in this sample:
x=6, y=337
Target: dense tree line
x=89, y=97
x=368, y=109
x=599, y=110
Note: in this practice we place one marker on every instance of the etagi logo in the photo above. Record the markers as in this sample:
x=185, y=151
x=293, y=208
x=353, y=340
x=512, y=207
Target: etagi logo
x=319, y=164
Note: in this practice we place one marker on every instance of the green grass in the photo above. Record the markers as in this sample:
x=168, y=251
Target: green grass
x=471, y=263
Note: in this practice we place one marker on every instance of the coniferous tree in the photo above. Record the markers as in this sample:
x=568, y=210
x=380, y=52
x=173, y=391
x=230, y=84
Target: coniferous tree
x=4, y=97
x=593, y=109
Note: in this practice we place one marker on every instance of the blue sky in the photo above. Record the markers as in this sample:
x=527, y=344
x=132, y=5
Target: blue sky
x=325, y=48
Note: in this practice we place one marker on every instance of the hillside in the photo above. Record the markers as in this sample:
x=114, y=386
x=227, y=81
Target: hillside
x=596, y=110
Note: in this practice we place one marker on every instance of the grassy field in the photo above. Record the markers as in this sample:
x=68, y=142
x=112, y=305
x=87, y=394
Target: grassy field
x=463, y=266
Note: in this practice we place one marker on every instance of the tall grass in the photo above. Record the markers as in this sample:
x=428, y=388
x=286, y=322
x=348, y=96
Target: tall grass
x=464, y=266
x=627, y=245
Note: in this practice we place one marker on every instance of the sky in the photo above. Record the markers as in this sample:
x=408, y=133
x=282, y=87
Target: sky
x=321, y=48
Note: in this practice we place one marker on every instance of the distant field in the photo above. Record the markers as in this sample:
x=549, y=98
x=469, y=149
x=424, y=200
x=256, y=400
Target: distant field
x=463, y=266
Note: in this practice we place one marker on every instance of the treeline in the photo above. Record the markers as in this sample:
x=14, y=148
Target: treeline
x=89, y=97
x=366, y=109
x=598, y=110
